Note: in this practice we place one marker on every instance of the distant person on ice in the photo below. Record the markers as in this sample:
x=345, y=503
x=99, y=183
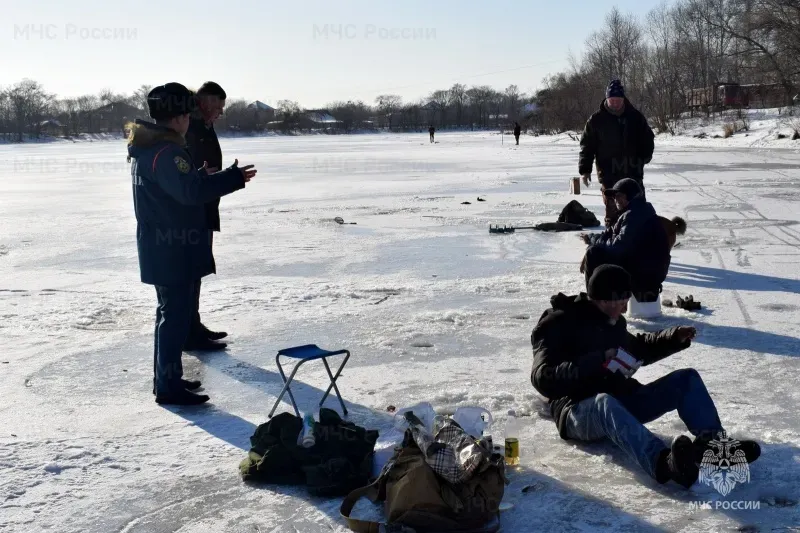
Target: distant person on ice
x=583, y=360
x=173, y=233
x=637, y=242
x=517, y=131
x=619, y=140
x=431, y=131
x=203, y=146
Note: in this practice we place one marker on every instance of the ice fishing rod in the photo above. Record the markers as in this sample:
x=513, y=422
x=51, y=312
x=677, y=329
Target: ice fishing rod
x=497, y=228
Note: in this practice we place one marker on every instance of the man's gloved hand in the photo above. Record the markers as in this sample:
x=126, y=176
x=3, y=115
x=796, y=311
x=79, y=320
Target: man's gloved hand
x=621, y=362
x=586, y=179
x=685, y=333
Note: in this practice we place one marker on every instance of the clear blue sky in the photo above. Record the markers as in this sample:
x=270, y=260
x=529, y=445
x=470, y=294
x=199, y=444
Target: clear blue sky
x=272, y=50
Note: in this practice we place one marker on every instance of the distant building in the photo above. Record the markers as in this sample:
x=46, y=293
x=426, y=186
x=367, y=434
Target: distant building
x=308, y=120
x=264, y=113
x=51, y=127
x=315, y=119
x=320, y=116
x=112, y=117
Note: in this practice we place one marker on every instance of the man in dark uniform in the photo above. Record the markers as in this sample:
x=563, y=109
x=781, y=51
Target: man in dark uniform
x=203, y=146
x=517, y=131
x=618, y=138
x=172, y=230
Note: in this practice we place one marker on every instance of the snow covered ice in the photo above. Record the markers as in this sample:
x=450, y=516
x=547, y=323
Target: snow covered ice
x=432, y=306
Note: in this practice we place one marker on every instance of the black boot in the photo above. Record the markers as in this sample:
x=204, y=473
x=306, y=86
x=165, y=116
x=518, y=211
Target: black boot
x=188, y=384
x=216, y=335
x=181, y=397
x=678, y=464
x=203, y=345
x=702, y=444
x=212, y=335
x=191, y=384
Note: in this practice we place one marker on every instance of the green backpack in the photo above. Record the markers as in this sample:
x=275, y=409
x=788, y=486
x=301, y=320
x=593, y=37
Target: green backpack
x=416, y=497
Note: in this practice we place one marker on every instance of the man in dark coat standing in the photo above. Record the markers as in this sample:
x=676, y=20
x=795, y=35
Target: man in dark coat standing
x=583, y=360
x=172, y=232
x=619, y=140
x=637, y=242
x=517, y=131
x=203, y=146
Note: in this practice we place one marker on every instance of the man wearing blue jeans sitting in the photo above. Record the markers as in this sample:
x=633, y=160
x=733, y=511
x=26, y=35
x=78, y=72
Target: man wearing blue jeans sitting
x=583, y=359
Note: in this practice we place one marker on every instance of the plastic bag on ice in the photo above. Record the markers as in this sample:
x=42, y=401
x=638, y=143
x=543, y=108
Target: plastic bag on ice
x=424, y=411
x=473, y=420
x=392, y=438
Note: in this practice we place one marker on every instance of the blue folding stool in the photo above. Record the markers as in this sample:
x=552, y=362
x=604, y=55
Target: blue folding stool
x=309, y=352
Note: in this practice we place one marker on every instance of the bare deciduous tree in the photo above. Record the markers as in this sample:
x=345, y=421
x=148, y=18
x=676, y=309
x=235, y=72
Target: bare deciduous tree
x=388, y=105
x=139, y=98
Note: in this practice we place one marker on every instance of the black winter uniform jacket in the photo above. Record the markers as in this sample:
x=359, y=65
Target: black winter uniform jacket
x=173, y=236
x=568, y=353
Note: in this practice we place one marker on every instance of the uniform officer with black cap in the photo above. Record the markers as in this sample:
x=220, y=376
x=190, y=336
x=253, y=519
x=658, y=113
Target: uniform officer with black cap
x=172, y=232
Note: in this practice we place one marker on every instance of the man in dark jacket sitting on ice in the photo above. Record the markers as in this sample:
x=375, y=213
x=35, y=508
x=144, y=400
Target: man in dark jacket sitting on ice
x=583, y=359
x=637, y=242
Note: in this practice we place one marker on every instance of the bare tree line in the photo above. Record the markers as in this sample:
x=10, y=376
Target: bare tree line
x=679, y=47
x=661, y=59
x=26, y=108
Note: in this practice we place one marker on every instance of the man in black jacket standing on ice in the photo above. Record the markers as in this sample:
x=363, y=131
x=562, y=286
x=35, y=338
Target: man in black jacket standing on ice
x=618, y=138
x=203, y=145
x=583, y=360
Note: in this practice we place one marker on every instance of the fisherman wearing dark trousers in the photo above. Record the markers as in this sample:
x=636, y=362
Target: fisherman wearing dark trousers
x=517, y=131
x=203, y=146
x=431, y=131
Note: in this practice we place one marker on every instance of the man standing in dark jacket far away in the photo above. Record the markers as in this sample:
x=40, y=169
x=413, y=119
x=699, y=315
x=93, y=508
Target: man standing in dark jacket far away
x=618, y=138
x=583, y=360
x=203, y=146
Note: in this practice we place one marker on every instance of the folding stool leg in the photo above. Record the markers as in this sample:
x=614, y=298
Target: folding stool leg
x=286, y=388
x=333, y=382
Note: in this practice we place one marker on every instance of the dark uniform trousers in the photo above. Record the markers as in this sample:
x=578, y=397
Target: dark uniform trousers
x=173, y=321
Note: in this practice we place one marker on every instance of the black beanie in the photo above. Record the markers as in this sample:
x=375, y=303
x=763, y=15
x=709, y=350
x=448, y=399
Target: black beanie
x=609, y=282
x=169, y=101
x=615, y=90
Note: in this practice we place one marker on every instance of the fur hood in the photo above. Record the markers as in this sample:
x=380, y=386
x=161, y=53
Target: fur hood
x=145, y=134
